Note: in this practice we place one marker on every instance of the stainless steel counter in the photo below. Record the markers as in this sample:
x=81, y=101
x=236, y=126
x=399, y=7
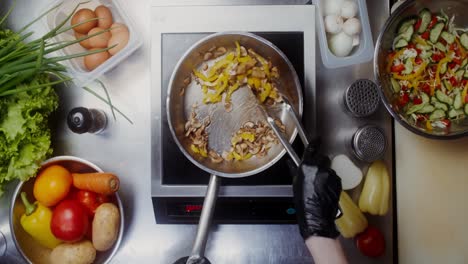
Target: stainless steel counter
x=125, y=150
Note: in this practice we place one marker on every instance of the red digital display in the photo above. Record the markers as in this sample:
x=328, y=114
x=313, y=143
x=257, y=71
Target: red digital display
x=189, y=208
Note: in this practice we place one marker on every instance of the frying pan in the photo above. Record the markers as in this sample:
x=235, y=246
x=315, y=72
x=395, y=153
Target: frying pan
x=245, y=107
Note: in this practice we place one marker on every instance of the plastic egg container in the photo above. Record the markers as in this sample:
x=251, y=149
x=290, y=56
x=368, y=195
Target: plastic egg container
x=81, y=76
x=362, y=52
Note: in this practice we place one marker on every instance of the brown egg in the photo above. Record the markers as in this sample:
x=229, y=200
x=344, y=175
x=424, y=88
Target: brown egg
x=118, y=27
x=120, y=39
x=100, y=40
x=83, y=15
x=105, y=16
x=84, y=43
x=92, y=61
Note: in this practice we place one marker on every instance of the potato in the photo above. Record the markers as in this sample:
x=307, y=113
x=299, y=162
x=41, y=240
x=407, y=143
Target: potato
x=106, y=225
x=77, y=253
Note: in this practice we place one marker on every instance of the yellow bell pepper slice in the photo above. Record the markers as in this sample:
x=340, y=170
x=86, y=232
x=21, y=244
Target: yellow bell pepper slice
x=375, y=194
x=194, y=148
x=428, y=125
x=236, y=156
x=238, y=51
x=447, y=59
x=411, y=76
x=265, y=93
x=465, y=90
x=248, y=136
x=221, y=64
x=352, y=222
x=230, y=91
x=203, y=77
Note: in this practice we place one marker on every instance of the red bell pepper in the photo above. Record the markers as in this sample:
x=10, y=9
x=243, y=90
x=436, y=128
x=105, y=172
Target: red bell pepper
x=426, y=88
x=398, y=68
x=446, y=122
x=403, y=100
x=433, y=22
x=417, y=25
x=417, y=101
x=425, y=35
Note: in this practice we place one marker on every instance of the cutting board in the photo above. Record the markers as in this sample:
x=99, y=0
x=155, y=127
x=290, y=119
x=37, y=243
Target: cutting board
x=432, y=198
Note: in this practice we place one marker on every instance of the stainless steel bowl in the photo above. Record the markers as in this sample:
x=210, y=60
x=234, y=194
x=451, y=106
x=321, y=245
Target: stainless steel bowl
x=383, y=46
x=31, y=251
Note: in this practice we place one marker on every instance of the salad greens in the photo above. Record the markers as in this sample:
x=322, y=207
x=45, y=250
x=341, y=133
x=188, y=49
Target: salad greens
x=24, y=131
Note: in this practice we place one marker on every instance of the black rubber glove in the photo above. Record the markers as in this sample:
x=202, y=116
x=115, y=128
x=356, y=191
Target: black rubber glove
x=317, y=191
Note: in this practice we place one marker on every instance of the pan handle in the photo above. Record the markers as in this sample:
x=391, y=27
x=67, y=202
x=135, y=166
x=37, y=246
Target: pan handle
x=198, y=250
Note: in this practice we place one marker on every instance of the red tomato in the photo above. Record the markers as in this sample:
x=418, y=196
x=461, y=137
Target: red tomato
x=398, y=68
x=453, y=81
x=411, y=46
x=404, y=87
x=426, y=88
x=446, y=122
x=417, y=25
x=437, y=56
x=425, y=35
x=433, y=22
x=464, y=82
x=456, y=61
x=69, y=221
x=403, y=100
x=466, y=98
x=371, y=242
x=452, y=65
x=91, y=200
x=418, y=60
x=417, y=100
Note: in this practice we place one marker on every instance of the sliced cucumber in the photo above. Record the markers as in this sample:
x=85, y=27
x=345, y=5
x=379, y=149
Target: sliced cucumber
x=466, y=74
x=443, y=97
x=464, y=40
x=459, y=74
x=396, y=86
x=466, y=109
x=455, y=113
x=443, y=68
x=408, y=22
x=457, y=103
x=426, y=18
x=441, y=47
x=408, y=67
x=423, y=47
x=450, y=38
x=464, y=62
x=435, y=32
x=400, y=43
x=447, y=84
x=426, y=109
x=425, y=54
x=407, y=34
x=425, y=98
x=439, y=105
x=415, y=108
x=437, y=115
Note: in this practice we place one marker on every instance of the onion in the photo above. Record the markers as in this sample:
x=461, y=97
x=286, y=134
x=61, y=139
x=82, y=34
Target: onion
x=340, y=44
x=332, y=7
x=352, y=26
x=333, y=24
x=349, y=173
x=349, y=9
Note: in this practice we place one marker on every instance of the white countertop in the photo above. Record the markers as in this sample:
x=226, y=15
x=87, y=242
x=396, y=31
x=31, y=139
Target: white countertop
x=432, y=198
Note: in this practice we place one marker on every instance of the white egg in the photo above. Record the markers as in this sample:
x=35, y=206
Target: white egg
x=332, y=7
x=333, y=24
x=352, y=26
x=340, y=44
x=349, y=9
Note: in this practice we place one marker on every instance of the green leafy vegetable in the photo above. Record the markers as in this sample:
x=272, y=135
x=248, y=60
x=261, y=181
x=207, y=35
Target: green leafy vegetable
x=24, y=130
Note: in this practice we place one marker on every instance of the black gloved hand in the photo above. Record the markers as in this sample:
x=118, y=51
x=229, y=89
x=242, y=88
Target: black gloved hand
x=317, y=191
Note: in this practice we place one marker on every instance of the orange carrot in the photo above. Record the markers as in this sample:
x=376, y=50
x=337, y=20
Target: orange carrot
x=103, y=183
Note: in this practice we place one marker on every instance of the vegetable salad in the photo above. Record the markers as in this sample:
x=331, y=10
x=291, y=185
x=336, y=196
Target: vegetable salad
x=428, y=65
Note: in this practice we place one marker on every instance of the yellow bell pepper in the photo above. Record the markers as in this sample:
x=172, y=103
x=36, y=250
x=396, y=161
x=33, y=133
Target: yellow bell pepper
x=265, y=92
x=36, y=222
x=375, y=194
x=465, y=90
x=447, y=59
x=411, y=76
x=248, y=136
x=352, y=222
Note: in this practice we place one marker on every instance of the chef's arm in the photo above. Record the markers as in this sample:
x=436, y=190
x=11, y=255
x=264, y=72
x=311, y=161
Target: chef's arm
x=326, y=250
x=317, y=191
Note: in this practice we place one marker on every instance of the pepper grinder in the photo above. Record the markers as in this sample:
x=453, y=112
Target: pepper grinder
x=83, y=120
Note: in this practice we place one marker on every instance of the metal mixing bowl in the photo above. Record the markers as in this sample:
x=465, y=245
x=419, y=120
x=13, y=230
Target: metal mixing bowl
x=31, y=251
x=384, y=45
